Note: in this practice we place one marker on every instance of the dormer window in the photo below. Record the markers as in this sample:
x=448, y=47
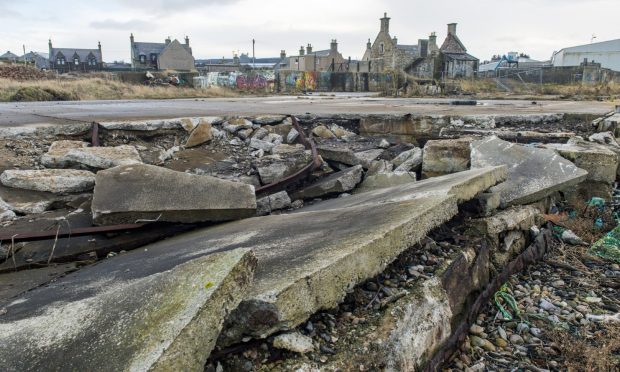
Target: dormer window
x=92, y=62
x=76, y=61
x=142, y=58
x=60, y=61
x=153, y=57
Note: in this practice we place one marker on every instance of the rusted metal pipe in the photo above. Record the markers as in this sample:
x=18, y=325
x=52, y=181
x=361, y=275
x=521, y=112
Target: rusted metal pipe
x=50, y=234
x=94, y=134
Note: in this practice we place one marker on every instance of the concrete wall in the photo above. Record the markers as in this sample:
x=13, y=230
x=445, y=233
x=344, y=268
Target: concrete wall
x=558, y=75
x=294, y=81
x=176, y=57
x=252, y=80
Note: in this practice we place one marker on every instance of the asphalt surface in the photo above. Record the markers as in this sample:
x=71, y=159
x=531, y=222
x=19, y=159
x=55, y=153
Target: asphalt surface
x=50, y=113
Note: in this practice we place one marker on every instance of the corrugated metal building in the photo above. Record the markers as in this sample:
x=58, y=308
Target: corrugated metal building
x=607, y=53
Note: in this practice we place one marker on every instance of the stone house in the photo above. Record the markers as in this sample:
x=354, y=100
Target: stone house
x=75, y=60
x=456, y=62
x=315, y=60
x=169, y=55
x=8, y=56
x=40, y=60
x=425, y=60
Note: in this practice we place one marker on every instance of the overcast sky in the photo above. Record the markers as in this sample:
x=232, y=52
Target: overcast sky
x=218, y=27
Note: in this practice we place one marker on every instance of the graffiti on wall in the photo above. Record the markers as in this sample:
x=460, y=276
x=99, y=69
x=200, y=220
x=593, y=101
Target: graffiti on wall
x=302, y=80
x=237, y=80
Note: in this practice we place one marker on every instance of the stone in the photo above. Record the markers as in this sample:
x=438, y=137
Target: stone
x=292, y=135
x=273, y=168
x=379, y=166
x=515, y=339
x=279, y=200
x=51, y=180
x=268, y=119
x=600, y=162
x=261, y=145
x=446, y=156
x=245, y=133
x=384, y=180
x=274, y=138
x=340, y=132
x=484, y=204
x=482, y=343
x=338, y=154
x=515, y=218
x=32, y=207
x=283, y=149
x=129, y=193
x=400, y=158
x=367, y=157
x=476, y=330
x=412, y=163
x=534, y=173
x=201, y=134
x=604, y=138
x=260, y=133
x=7, y=215
x=234, y=125
x=384, y=144
x=295, y=342
x=56, y=155
x=568, y=236
x=321, y=131
x=123, y=314
x=336, y=183
x=189, y=124
x=103, y=157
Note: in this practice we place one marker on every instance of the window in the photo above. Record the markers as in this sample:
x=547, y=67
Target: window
x=142, y=58
x=76, y=61
x=382, y=48
x=60, y=61
x=153, y=57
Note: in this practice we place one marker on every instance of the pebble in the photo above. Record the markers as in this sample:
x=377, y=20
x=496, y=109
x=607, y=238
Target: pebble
x=502, y=333
x=516, y=339
x=536, y=332
x=476, y=330
x=480, y=342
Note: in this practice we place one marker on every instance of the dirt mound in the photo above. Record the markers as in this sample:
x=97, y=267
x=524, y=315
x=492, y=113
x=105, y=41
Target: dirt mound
x=20, y=72
x=31, y=94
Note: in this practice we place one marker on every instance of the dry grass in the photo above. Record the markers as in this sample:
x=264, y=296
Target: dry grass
x=600, y=353
x=488, y=88
x=98, y=89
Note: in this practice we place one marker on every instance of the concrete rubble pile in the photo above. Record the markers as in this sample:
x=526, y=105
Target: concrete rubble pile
x=395, y=221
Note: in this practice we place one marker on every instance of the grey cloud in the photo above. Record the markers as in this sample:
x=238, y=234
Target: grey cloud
x=162, y=7
x=111, y=24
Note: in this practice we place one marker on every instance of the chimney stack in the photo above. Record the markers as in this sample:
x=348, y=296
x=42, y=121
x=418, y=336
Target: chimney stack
x=302, y=51
x=452, y=28
x=395, y=40
x=309, y=48
x=385, y=24
x=368, y=44
x=168, y=41
x=187, y=40
x=334, y=45
x=131, y=38
x=282, y=54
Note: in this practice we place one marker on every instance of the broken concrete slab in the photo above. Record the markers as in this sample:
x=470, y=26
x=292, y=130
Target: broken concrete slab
x=189, y=124
x=15, y=283
x=51, y=180
x=522, y=136
x=385, y=180
x=268, y=119
x=533, y=173
x=103, y=157
x=330, y=253
x=321, y=131
x=145, y=192
x=201, y=134
x=412, y=162
x=446, y=156
x=335, y=183
x=257, y=144
x=403, y=156
x=148, y=312
x=274, y=168
x=367, y=157
x=144, y=125
x=338, y=154
x=600, y=162
x=273, y=202
x=56, y=155
x=379, y=166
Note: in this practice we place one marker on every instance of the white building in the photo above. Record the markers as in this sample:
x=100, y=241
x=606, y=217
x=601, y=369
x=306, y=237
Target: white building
x=607, y=53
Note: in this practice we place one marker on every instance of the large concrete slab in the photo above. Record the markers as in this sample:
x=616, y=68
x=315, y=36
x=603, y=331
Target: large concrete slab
x=533, y=173
x=598, y=160
x=135, y=312
x=308, y=260
x=137, y=192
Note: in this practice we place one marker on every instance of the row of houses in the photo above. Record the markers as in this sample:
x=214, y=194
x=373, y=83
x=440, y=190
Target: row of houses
x=423, y=59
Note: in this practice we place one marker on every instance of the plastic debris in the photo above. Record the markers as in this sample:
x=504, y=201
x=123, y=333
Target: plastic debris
x=608, y=247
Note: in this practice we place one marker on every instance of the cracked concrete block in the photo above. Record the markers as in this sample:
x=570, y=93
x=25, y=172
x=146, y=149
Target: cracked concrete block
x=600, y=162
x=56, y=155
x=136, y=312
x=145, y=192
x=335, y=183
x=201, y=134
x=533, y=173
x=338, y=154
x=57, y=181
x=446, y=156
x=384, y=180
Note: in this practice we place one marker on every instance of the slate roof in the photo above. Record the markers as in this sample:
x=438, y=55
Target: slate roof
x=145, y=48
x=9, y=55
x=460, y=56
x=82, y=53
x=452, y=44
x=408, y=48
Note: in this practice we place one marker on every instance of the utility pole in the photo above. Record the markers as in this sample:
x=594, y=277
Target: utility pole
x=24, y=47
x=253, y=54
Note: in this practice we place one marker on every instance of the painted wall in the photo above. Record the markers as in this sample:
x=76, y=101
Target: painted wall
x=262, y=80
x=324, y=81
